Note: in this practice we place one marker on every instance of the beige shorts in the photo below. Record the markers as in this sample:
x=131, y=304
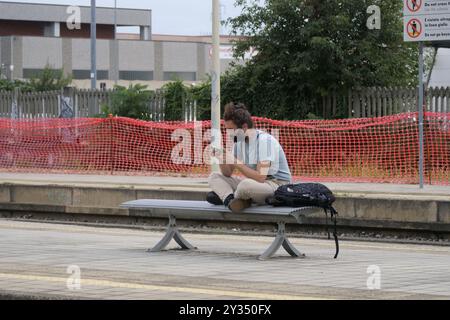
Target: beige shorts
x=244, y=188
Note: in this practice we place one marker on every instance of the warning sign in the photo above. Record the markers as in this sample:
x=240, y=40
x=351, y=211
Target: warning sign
x=427, y=28
x=413, y=5
x=426, y=20
x=414, y=28
x=418, y=7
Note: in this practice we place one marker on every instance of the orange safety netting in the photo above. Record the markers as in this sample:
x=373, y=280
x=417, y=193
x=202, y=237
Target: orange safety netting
x=358, y=150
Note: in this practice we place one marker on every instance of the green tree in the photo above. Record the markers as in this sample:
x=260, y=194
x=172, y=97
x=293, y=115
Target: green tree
x=131, y=102
x=308, y=48
x=47, y=80
x=50, y=79
x=201, y=93
x=175, y=92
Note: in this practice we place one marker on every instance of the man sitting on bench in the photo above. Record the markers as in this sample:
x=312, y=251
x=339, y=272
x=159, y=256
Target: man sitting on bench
x=257, y=155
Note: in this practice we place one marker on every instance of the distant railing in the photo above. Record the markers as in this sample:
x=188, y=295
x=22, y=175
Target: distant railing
x=357, y=103
x=157, y=106
x=68, y=103
x=50, y=104
x=382, y=101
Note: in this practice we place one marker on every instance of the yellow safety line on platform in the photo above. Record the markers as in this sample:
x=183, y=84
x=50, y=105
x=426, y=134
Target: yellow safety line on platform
x=126, y=285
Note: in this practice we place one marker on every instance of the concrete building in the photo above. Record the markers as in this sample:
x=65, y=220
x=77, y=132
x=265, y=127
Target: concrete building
x=440, y=76
x=35, y=35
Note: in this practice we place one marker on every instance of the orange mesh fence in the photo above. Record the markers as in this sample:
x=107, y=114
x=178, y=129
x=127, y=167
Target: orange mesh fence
x=354, y=150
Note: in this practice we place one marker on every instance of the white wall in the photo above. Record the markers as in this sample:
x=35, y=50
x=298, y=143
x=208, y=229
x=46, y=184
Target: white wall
x=81, y=54
x=180, y=57
x=38, y=51
x=136, y=56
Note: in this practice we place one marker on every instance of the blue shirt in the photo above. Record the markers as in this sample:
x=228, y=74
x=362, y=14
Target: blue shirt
x=263, y=147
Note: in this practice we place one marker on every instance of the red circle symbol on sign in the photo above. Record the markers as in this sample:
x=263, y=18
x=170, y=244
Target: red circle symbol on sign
x=414, y=28
x=414, y=5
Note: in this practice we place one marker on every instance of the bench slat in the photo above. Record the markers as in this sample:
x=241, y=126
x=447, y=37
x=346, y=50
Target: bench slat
x=205, y=206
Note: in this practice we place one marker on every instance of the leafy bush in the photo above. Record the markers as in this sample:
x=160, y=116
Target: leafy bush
x=8, y=85
x=47, y=80
x=175, y=93
x=131, y=102
x=50, y=79
x=202, y=94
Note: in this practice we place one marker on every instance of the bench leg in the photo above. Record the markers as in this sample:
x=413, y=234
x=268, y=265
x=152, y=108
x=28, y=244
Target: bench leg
x=164, y=241
x=184, y=244
x=172, y=233
x=280, y=240
x=289, y=247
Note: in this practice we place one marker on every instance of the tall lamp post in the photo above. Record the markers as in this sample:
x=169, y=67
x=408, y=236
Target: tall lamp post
x=215, y=79
x=115, y=19
x=116, y=44
x=93, y=45
x=421, y=118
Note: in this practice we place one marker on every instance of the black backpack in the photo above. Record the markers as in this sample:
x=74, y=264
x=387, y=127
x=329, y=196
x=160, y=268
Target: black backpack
x=305, y=195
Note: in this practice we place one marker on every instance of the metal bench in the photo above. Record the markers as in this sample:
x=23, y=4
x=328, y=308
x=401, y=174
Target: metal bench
x=174, y=209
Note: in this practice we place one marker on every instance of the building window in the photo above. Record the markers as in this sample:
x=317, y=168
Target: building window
x=86, y=74
x=185, y=76
x=136, y=75
x=31, y=73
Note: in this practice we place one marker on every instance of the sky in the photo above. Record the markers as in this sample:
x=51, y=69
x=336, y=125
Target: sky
x=180, y=17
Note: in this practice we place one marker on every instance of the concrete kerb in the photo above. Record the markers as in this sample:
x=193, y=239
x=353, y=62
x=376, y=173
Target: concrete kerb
x=377, y=205
x=425, y=212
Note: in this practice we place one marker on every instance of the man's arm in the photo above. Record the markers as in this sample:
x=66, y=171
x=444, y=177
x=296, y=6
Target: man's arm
x=226, y=168
x=259, y=175
x=262, y=167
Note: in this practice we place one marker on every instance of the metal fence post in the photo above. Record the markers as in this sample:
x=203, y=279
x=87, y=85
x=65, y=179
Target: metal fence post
x=15, y=112
x=420, y=106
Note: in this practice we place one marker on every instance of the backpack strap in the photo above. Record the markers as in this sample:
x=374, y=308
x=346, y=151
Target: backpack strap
x=333, y=214
x=334, y=219
x=326, y=219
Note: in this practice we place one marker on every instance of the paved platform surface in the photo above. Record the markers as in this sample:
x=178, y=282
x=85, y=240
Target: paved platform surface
x=114, y=264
